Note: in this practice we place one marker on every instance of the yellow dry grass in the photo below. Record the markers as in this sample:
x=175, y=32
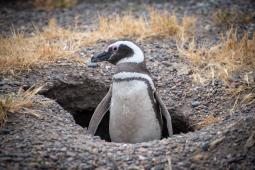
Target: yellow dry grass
x=224, y=58
x=14, y=103
x=158, y=24
x=244, y=95
x=230, y=56
x=207, y=121
x=20, y=52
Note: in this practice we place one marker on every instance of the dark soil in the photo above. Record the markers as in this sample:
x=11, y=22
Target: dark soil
x=58, y=138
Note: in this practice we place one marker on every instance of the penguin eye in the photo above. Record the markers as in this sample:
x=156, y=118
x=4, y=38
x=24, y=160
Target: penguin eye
x=114, y=48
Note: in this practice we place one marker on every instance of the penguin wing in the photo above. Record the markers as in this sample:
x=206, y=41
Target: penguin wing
x=165, y=113
x=99, y=113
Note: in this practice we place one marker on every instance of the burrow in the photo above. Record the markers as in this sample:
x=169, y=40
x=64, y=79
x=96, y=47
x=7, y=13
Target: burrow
x=81, y=99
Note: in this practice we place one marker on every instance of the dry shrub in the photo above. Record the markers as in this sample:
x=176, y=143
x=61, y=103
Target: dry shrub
x=231, y=16
x=186, y=29
x=15, y=103
x=159, y=24
x=163, y=24
x=52, y=4
x=229, y=57
x=120, y=26
x=20, y=52
x=224, y=58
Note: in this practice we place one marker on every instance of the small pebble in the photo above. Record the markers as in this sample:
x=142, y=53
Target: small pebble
x=205, y=146
x=195, y=103
x=92, y=65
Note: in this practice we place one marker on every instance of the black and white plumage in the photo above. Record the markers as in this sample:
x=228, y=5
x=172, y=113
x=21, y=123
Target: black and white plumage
x=136, y=109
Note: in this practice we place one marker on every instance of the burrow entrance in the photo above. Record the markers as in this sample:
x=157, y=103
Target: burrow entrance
x=81, y=99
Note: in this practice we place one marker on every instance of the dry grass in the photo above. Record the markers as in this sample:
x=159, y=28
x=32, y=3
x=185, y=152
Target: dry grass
x=14, y=103
x=20, y=52
x=52, y=4
x=158, y=24
x=207, y=121
x=244, y=95
x=231, y=17
x=230, y=56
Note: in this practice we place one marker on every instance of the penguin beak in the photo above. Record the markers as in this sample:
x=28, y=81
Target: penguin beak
x=104, y=56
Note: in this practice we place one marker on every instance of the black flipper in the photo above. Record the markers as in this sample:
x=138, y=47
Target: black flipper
x=165, y=113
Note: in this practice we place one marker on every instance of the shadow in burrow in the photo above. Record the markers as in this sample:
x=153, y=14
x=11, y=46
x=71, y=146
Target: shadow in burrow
x=81, y=100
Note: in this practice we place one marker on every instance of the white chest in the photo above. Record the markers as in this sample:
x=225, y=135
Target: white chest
x=132, y=117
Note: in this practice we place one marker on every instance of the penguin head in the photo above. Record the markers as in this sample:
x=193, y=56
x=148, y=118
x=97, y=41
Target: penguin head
x=120, y=52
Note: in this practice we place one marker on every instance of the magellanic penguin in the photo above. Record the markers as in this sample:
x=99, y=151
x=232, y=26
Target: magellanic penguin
x=135, y=107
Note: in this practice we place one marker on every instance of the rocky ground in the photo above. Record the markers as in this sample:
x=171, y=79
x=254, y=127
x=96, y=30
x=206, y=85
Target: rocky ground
x=57, y=139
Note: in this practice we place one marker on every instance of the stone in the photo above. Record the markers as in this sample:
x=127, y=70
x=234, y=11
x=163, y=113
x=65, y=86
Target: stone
x=195, y=103
x=205, y=146
x=91, y=64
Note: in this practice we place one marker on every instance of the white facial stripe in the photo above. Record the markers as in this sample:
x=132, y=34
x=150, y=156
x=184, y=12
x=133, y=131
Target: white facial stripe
x=124, y=75
x=138, y=56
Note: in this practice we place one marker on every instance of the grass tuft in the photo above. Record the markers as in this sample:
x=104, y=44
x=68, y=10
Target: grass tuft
x=244, y=95
x=229, y=55
x=225, y=60
x=20, y=52
x=158, y=24
x=14, y=103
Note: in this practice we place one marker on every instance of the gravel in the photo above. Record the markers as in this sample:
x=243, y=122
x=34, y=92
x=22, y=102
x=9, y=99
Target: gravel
x=55, y=141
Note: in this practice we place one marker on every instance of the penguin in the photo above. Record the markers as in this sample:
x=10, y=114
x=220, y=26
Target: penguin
x=136, y=109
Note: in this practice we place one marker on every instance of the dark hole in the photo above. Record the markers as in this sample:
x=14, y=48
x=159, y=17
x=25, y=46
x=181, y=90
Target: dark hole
x=81, y=101
x=82, y=118
x=181, y=124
